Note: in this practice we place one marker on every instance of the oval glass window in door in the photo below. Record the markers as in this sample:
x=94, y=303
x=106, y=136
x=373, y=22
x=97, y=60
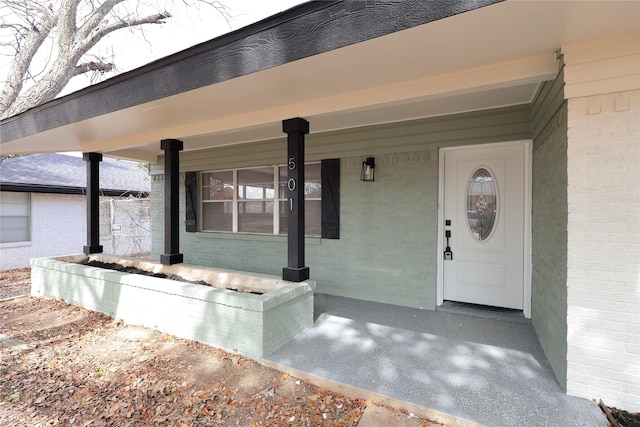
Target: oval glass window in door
x=482, y=204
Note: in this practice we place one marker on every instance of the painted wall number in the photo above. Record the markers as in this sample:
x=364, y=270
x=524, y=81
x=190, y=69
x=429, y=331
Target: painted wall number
x=291, y=184
x=292, y=163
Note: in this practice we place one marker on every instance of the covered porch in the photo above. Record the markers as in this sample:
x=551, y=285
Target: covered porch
x=482, y=366
x=400, y=82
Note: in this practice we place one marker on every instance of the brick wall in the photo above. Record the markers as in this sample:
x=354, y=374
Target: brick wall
x=254, y=325
x=549, y=242
x=388, y=229
x=58, y=227
x=386, y=251
x=603, y=271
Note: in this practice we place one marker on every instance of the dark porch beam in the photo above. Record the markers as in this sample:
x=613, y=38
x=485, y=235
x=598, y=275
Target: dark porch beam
x=172, y=148
x=295, y=129
x=93, y=203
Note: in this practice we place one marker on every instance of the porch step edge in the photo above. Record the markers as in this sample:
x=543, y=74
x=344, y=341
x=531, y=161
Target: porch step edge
x=493, y=313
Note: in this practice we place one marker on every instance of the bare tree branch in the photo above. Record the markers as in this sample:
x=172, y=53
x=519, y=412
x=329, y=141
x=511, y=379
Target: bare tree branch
x=61, y=34
x=25, y=49
x=67, y=23
x=92, y=66
x=218, y=6
x=96, y=17
x=99, y=33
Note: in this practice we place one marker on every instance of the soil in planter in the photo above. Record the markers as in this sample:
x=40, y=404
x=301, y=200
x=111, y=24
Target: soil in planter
x=133, y=270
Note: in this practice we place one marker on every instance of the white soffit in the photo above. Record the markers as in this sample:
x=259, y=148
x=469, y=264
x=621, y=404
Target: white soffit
x=490, y=57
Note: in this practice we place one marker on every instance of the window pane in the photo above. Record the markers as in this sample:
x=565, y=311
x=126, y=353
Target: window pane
x=255, y=184
x=284, y=210
x=255, y=217
x=481, y=204
x=255, y=195
x=312, y=181
x=217, y=216
x=282, y=183
x=312, y=217
x=14, y=229
x=14, y=217
x=217, y=185
x=14, y=204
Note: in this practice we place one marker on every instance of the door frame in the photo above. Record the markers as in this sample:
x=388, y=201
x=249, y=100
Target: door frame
x=528, y=145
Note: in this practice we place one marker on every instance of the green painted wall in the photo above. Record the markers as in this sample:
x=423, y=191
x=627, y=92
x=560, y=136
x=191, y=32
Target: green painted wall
x=387, y=247
x=549, y=224
x=255, y=325
x=388, y=236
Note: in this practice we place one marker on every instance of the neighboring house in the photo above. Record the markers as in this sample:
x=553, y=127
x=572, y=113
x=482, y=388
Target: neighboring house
x=43, y=207
x=507, y=132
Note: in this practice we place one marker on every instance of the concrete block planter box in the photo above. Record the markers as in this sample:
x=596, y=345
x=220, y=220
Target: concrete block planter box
x=249, y=323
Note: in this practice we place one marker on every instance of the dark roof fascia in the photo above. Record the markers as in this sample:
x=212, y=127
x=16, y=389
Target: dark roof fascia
x=51, y=189
x=306, y=30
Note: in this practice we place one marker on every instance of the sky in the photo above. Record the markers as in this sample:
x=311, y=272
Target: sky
x=187, y=27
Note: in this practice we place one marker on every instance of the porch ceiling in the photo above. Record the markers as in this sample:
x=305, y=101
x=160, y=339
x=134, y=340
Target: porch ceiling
x=489, y=57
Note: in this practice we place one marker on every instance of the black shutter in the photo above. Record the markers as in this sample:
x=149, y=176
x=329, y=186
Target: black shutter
x=330, y=173
x=191, y=191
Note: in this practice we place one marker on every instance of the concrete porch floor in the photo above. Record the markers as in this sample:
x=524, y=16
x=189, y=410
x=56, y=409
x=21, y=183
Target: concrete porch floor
x=475, y=365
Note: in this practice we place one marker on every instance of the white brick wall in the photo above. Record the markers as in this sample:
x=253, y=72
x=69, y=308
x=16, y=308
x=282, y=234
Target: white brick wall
x=603, y=277
x=58, y=227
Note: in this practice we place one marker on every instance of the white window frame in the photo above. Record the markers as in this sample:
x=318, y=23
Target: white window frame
x=235, y=200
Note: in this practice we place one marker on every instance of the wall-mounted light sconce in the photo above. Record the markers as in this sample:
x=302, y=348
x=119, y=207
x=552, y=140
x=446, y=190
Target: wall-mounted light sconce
x=368, y=168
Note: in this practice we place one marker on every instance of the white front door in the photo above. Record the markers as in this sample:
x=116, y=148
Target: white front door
x=484, y=217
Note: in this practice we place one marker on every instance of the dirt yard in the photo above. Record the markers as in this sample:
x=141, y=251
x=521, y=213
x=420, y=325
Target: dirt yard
x=85, y=369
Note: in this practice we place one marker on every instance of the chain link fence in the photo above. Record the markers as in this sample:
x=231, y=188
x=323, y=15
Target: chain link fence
x=125, y=226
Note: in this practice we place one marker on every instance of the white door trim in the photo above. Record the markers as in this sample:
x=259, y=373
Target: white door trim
x=527, y=220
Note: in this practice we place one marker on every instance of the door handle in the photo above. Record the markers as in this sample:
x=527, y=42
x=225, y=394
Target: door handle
x=448, y=253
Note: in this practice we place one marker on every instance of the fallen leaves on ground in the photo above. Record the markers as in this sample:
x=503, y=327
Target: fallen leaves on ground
x=87, y=369
x=14, y=283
